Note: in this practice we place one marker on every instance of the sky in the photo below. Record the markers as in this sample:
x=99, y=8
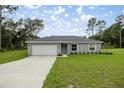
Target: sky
x=67, y=19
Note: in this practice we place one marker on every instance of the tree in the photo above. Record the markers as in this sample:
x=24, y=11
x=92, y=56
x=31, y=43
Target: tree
x=27, y=29
x=120, y=21
x=100, y=26
x=15, y=33
x=8, y=32
x=9, y=9
x=110, y=36
x=91, y=25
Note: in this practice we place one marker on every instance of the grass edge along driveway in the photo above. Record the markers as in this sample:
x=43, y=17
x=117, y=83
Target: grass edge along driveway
x=88, y=71
x=13, y=55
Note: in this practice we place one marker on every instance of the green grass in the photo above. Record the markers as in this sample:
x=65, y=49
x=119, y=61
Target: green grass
x=88, y=71
x=9, y=56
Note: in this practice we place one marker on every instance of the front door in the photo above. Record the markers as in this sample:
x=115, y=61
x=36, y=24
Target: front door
x=64, y=48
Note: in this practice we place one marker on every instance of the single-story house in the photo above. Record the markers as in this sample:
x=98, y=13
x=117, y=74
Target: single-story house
x=55, y=45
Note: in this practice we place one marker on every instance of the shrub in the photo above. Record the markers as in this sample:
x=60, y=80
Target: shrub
x=95, y=52
x=2, y=50
x=71, y=53
x=110, y=53
x=88, y=52
x=106, y=53
x=59, y=54
x=102, y=52
x=91, y=52
x=80, y=53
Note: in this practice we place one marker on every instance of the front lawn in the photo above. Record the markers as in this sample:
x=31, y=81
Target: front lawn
x=9, y=56
x=88, y=70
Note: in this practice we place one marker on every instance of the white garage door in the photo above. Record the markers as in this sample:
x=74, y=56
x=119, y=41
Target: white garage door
x=44, y=49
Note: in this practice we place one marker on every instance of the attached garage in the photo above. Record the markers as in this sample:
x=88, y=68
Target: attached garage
x=42, y=49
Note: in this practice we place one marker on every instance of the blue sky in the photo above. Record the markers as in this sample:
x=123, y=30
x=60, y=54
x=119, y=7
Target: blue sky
x=67, y=19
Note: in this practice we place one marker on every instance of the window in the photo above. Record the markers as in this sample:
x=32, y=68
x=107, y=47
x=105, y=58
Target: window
x=92, y=46
x=74, y=47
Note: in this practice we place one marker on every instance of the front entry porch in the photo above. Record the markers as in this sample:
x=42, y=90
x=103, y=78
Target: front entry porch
x=64, y=48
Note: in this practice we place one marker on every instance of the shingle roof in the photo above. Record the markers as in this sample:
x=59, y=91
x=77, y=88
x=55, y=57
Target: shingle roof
x=71, y=39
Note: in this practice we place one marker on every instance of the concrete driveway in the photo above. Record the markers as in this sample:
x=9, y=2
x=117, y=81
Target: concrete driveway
x=29, y=72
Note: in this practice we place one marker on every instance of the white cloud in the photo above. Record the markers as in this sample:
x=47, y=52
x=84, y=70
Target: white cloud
x=111, y=12
x=103, y=8
x=69, y=6
x=122, y=11
x=79, y=10
x=47, y=11
x=63, y=27
x=106, y=15
x=33, y=17
x=74, y=30
x=19, y=14
x=69, y=24
x=66, y=15
x=58, y=25
x=76, y=19
x=32, y=6
x=59, y=10
x=53, y=17
x=85, y=17
x=4, y=12
x=91, y=7
x=35, y=13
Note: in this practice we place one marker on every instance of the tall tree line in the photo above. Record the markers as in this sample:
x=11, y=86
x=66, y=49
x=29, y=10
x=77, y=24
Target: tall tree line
x=112, y=36
x=13, y=34
x=9, y=9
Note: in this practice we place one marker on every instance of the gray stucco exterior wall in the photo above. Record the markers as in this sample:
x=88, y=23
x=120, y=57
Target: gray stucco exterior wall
x=58, y=48
x=83, y=48
x=86, y=48
x=98, y=47
x=69, y=48
x=29, y=49
x=80, y=48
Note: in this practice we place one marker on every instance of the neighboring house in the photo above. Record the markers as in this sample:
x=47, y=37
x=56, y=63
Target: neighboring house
x=54, y=45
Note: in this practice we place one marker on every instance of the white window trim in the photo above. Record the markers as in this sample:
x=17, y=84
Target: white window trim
x=60, y=48
x=89, y=47
x=95, y=47
x=77, y=47
x=68, y=48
